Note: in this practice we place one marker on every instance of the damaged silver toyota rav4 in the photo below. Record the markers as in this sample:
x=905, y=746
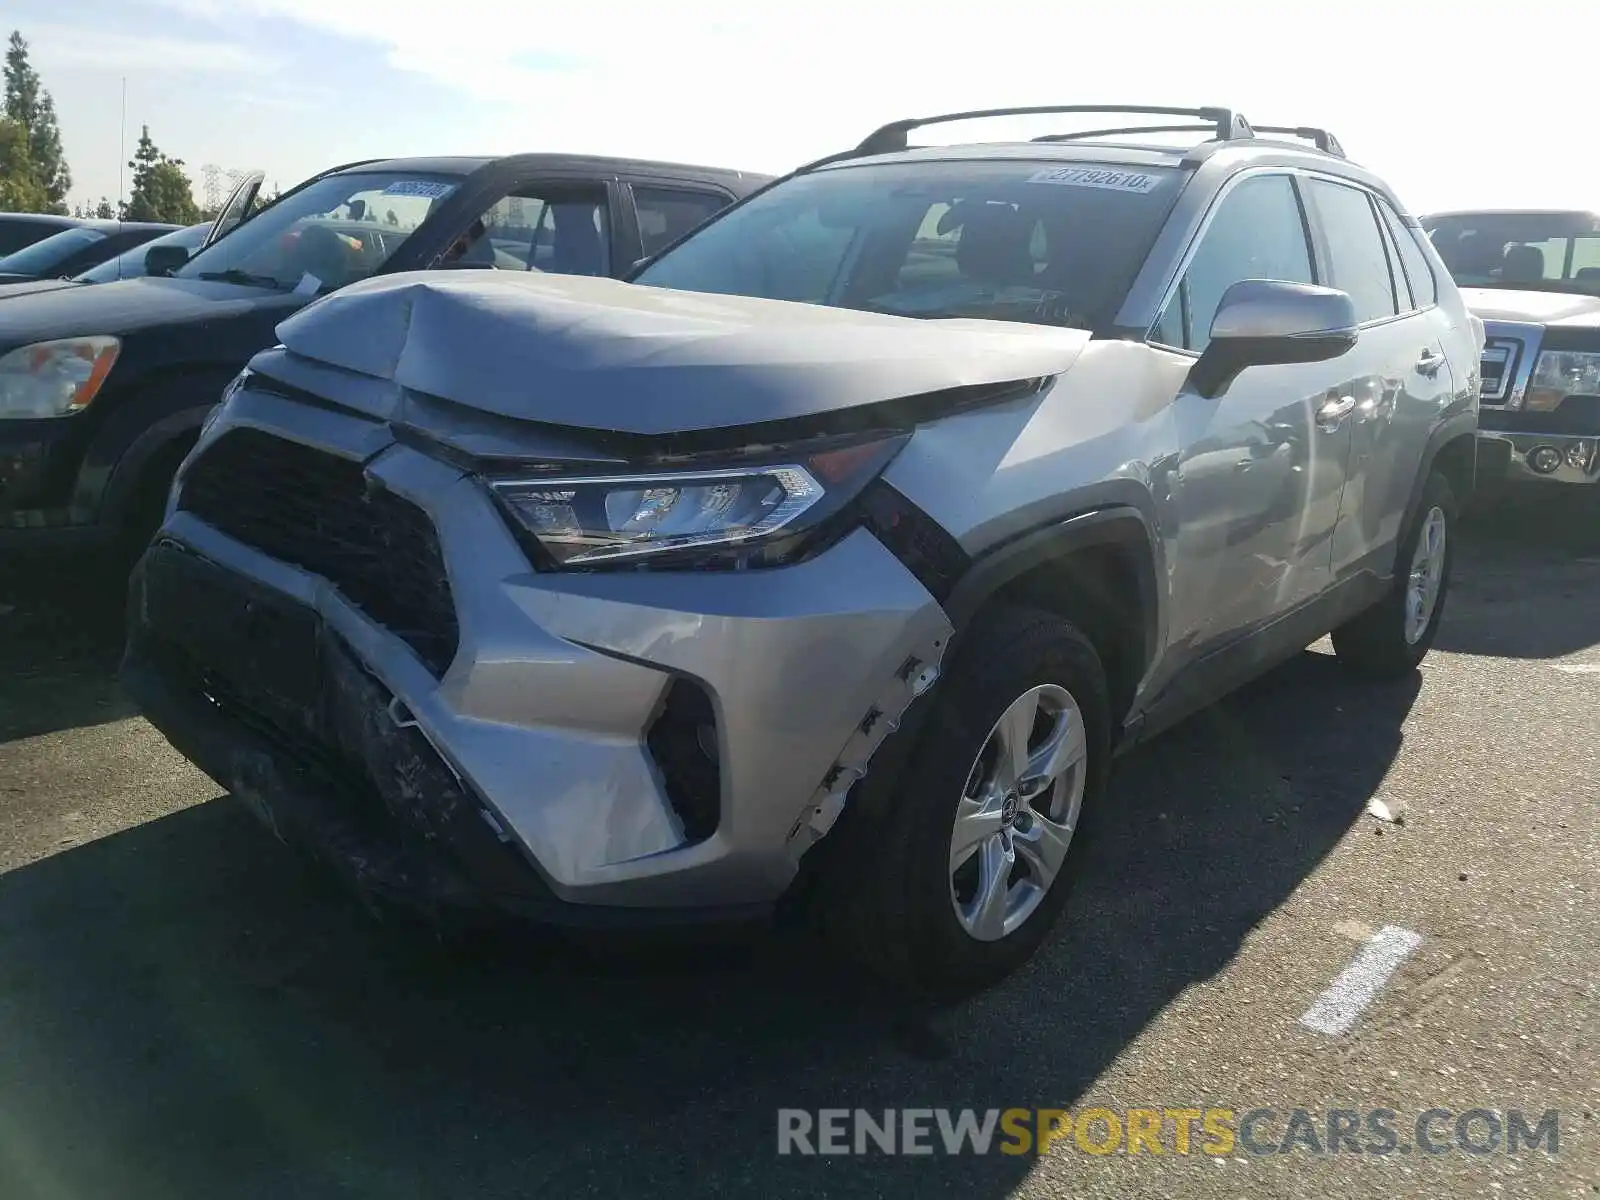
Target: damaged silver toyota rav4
x=832, y=559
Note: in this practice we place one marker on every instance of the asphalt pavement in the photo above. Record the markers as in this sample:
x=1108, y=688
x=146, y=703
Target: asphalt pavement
x=187, y=1011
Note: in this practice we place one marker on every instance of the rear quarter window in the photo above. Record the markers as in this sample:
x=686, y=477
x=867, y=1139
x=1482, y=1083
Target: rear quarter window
x=1418, y=271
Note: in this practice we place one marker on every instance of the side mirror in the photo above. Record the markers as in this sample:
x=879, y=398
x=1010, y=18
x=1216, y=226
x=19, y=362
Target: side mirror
x=164, y=260
x=1261, y=322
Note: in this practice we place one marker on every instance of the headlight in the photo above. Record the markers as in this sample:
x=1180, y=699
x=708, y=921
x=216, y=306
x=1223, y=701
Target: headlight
x=1561, y=373
x=55, y=379
x=747, y=513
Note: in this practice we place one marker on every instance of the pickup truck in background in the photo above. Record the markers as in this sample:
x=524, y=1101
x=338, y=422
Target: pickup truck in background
x=1533, y=278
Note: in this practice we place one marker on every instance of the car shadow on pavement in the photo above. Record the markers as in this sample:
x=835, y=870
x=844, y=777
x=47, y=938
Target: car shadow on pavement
x=193, y=1013
x=1527, y=580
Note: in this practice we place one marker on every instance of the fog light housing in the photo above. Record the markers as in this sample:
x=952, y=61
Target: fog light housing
x=1544, y=459
x=1578, y=455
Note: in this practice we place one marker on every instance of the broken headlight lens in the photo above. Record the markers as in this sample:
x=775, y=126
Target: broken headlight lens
x=711, y=513
x=1561, y=373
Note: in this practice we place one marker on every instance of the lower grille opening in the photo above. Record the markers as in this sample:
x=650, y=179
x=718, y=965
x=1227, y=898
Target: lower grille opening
x=374, y=791
x=683, y=742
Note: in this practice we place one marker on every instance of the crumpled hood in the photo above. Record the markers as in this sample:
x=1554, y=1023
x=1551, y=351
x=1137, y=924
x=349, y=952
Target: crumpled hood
x=1539, y=308
x=600, y=354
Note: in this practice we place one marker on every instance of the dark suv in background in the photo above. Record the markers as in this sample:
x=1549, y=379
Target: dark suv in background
x=103, y=389
x=18, y=230
x=72, y=251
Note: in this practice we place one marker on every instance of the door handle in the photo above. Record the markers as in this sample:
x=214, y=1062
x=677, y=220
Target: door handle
x=1332, y=413
x=1429, y=363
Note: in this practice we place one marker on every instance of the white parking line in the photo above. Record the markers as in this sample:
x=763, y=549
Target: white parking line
x=1579, y=668
x=1336, y=1011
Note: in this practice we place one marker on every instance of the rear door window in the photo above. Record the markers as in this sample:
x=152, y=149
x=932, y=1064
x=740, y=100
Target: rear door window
x=666, y=214
x=1418, y=272
x=1357, y=259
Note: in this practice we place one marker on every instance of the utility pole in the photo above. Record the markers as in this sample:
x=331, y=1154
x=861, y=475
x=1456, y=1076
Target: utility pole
x=122, y=145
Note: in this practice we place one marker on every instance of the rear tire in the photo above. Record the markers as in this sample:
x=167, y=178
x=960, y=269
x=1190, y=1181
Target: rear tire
x=1388, y=640
x=894, y=898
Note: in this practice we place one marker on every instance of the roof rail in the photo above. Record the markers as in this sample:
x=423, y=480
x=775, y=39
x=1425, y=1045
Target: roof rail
x=1225, y=124
x=1321, y=138
x=1098, y=133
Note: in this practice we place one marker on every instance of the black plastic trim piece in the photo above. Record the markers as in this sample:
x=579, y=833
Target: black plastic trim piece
x=1119, y=525
x=683, y=741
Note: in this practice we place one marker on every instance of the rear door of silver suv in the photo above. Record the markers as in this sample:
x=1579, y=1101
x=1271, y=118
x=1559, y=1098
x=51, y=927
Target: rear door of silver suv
x=1403, y=382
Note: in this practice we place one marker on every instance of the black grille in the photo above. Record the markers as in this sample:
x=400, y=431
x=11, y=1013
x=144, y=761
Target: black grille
x=316, y=510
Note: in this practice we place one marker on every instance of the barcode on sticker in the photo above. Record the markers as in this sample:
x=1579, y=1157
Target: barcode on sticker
x=1098, y=177
x=418, y=187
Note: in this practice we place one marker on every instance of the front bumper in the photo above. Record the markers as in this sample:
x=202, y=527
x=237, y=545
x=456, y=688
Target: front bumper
x=353, y=783
x=540, y=728
x=37, y=465
x=1519, y=455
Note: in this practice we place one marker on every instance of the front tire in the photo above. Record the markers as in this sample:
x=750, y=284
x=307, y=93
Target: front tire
x=955, y=885
x=1388, y=640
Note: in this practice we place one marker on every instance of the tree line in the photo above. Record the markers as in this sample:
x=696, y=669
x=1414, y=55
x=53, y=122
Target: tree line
x=35, y=177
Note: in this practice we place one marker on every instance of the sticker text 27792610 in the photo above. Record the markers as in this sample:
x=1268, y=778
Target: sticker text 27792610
x=1098, y=177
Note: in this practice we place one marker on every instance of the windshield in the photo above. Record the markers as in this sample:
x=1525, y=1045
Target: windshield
x=1558, y=252
x=41, y=258
x=130, y=263
x=331, y=233
x=1012, y=241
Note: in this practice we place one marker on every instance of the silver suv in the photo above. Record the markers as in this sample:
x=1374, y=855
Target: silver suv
x=833, y=558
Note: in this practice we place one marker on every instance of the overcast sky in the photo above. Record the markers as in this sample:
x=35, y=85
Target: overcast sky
x=1453, y=110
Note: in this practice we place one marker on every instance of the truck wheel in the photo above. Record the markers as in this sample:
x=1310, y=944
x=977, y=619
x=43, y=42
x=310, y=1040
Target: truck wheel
x=1389, y=639
x=958, y=881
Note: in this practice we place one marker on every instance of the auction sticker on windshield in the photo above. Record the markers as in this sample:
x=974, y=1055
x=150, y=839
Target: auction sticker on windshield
x=1098, y=177
x=419, y=187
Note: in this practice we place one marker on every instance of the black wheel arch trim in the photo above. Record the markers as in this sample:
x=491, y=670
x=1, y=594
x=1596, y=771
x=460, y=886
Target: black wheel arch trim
x=1462, y=425
x=129, y=473
x=1120, y=524
x=1111, y=524
x=147, y=418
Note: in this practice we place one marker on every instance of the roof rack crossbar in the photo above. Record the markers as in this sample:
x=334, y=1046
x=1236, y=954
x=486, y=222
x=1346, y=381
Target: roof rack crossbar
x=1097, y=133
x=1321, y=138
x=1227, y=124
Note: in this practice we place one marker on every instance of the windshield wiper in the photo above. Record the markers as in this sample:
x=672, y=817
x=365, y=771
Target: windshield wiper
x=234, y=275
